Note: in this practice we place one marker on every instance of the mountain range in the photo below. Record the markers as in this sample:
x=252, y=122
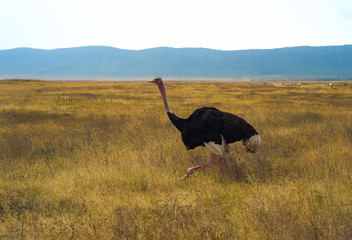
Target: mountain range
x=333, y=62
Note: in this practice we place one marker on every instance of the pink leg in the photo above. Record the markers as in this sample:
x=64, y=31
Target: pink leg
x=214, y=160
x=222, y=163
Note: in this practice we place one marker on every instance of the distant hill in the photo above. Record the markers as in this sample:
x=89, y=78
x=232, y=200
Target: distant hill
x=96, y=61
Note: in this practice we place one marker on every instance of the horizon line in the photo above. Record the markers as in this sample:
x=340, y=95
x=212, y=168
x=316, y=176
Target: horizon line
x=143, y=49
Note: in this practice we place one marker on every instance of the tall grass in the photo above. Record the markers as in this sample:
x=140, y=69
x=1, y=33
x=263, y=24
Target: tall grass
x=100, y=160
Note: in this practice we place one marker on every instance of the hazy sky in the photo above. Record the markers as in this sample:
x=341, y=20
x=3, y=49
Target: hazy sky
x=140, y=24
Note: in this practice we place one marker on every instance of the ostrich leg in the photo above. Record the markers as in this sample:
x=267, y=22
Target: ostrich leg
x=215, y=159
x=222, y=162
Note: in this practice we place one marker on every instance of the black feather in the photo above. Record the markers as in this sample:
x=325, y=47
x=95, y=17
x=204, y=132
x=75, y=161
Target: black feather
x=178, y=122
x=209, y=124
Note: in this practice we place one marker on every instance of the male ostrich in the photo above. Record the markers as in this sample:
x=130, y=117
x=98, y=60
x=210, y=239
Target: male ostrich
x=212, y=128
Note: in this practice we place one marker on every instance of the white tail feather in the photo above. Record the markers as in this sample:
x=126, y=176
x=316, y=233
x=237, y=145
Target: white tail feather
x=252, y=144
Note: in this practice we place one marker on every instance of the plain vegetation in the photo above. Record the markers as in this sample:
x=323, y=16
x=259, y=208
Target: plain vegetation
x=100, y=160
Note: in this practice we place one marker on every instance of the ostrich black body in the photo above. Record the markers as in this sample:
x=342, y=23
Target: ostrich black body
x=208, y=124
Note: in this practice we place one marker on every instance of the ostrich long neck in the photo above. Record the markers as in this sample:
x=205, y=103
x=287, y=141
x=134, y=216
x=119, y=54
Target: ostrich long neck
x=178, y=122
x=163, y=95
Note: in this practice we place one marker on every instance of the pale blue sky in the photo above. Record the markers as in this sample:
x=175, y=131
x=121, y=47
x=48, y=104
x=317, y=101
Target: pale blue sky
x=137, y=24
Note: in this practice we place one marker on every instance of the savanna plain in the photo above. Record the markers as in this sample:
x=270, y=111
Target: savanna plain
x=101, y=160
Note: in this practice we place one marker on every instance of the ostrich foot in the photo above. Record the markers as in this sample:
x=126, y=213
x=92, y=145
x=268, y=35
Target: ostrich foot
x=184, y=177
x=190, y=171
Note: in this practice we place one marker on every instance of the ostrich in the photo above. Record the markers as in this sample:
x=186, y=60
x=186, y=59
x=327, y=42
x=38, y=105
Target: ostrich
x=213, y=129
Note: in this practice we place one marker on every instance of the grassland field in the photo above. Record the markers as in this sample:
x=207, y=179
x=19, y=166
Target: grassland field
x=101, y=160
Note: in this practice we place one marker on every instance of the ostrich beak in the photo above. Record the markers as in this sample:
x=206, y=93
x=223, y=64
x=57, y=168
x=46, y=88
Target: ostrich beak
x=156, y=80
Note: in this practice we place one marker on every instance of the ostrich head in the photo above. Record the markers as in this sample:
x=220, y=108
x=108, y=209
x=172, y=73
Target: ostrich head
x=156, y=80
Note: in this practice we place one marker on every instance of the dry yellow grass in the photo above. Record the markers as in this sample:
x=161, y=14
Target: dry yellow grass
x=100, y=160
